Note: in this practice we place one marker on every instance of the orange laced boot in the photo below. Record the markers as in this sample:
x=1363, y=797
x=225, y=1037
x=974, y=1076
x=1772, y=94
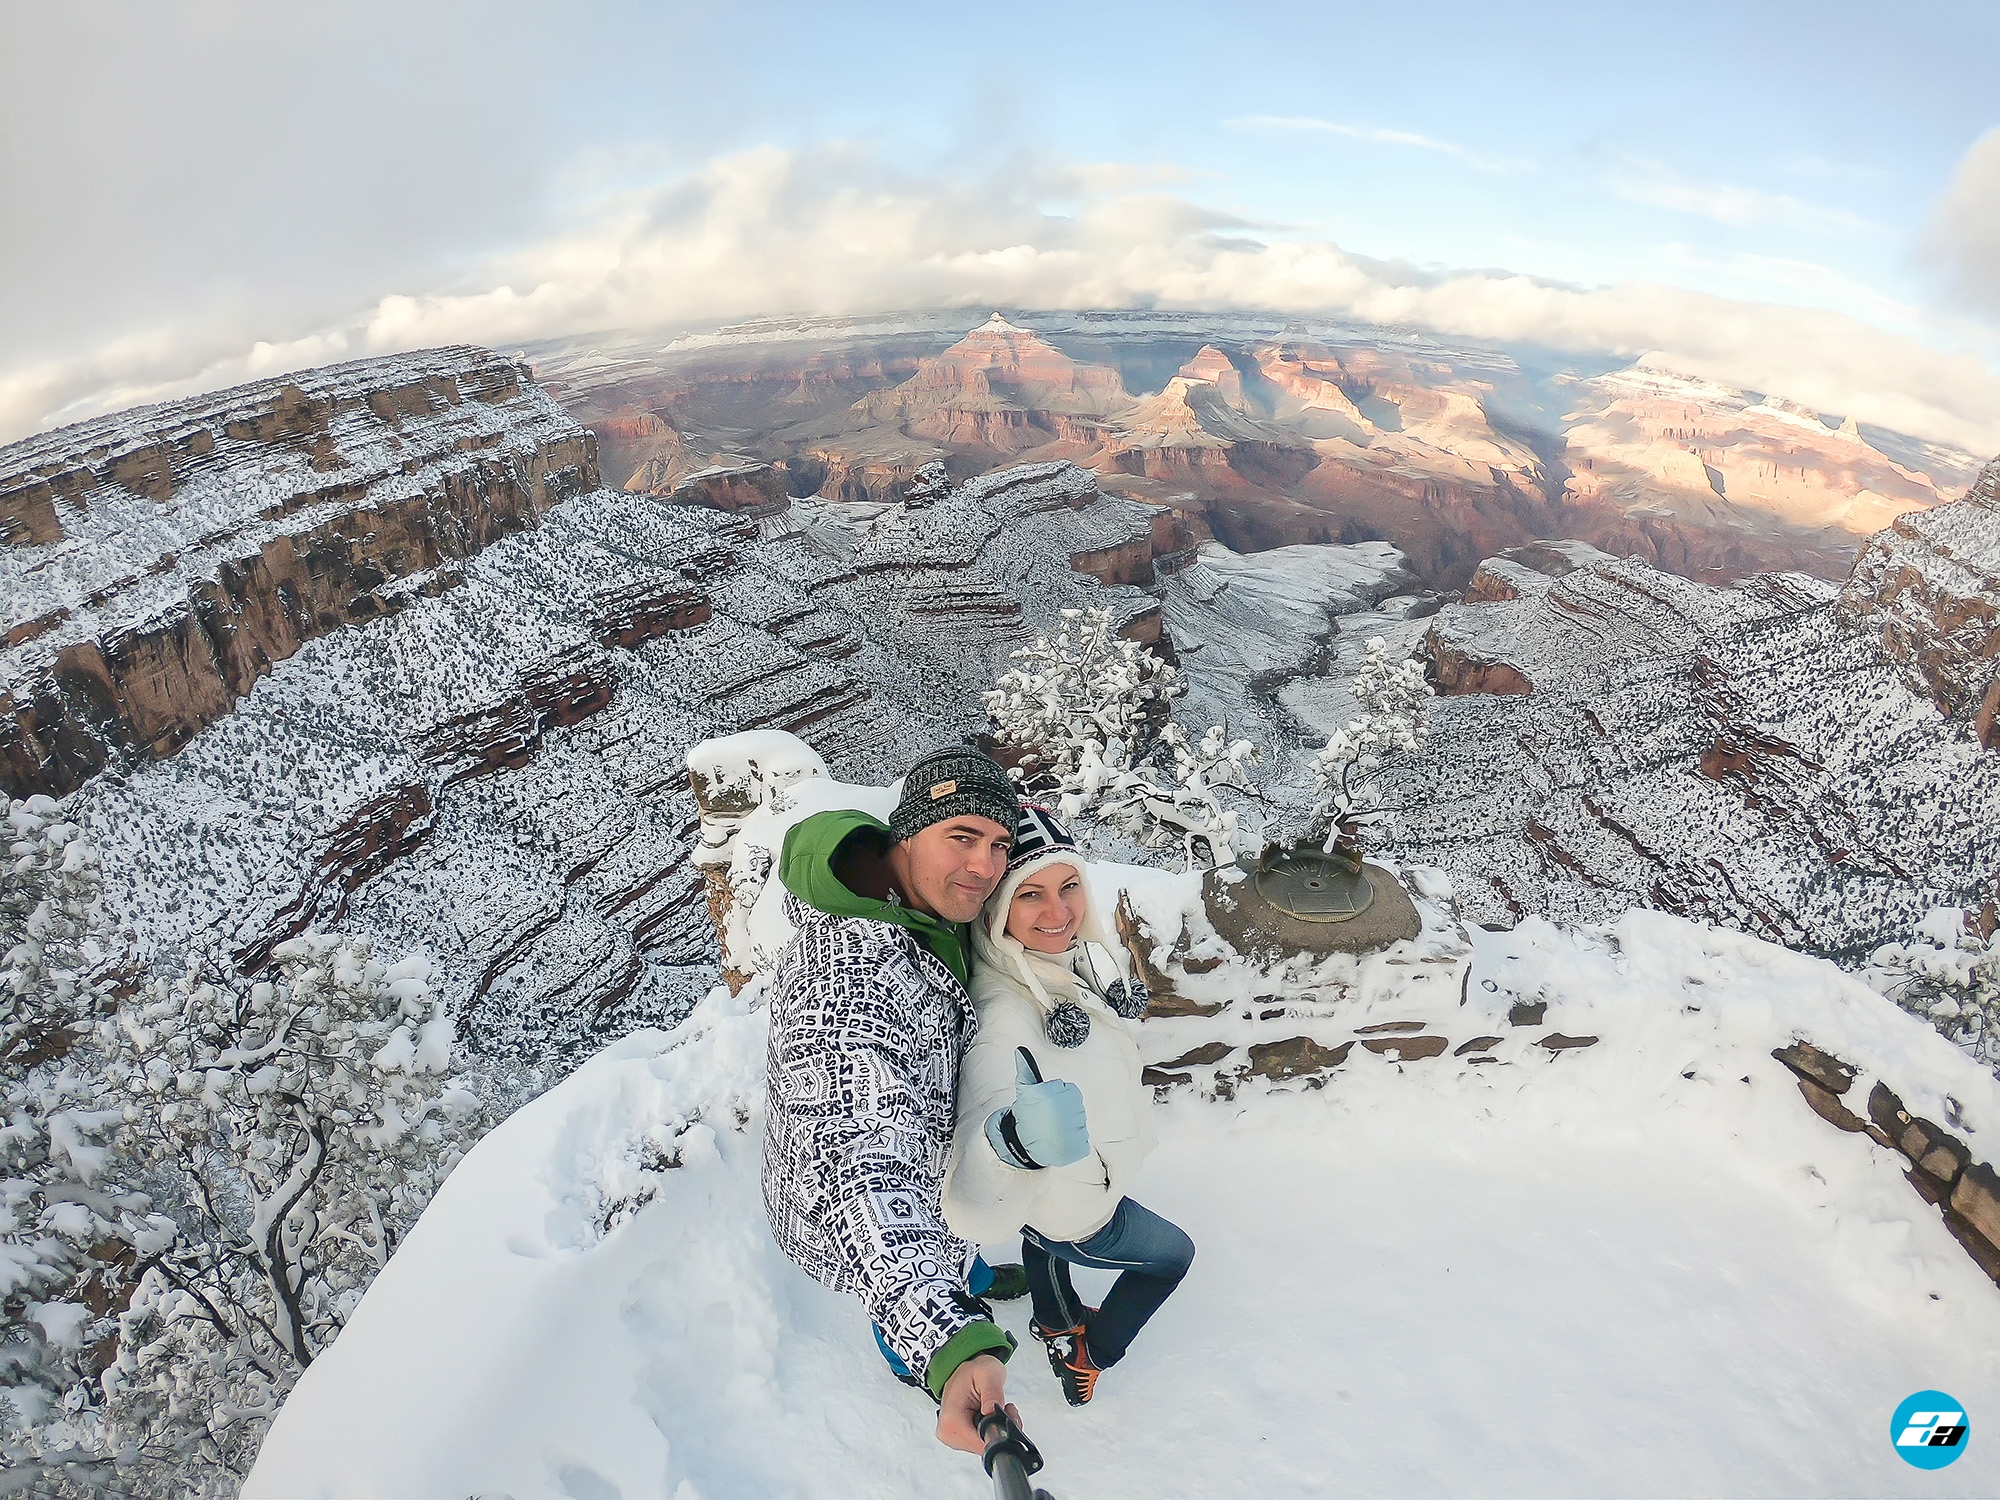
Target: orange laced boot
x=1069, y=1356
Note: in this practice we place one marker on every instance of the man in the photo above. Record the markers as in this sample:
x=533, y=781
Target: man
x=869, y=1018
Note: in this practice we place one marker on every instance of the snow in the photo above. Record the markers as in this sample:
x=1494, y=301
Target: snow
x=1638, y=1268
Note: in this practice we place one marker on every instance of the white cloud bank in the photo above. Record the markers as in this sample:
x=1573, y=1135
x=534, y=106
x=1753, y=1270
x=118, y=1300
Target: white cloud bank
x=829, y=232
x=1963, y=240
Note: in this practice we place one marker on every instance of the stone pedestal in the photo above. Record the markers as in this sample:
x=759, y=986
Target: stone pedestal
x=1297, y=903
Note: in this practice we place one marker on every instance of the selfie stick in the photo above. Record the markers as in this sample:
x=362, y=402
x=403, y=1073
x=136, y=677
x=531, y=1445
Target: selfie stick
x=1009, y=1458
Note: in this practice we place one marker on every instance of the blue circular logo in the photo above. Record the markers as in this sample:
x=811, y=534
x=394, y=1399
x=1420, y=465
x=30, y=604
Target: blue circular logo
x=1929, y=1429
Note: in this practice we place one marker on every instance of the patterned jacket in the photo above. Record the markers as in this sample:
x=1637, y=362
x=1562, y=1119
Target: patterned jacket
x=868, y=1026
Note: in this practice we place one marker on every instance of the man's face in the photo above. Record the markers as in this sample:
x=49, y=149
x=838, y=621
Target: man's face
x=951, y=867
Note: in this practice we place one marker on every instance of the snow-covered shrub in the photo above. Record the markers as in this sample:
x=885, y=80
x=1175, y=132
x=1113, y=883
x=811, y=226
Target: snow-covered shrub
x=1948, y=974
x=1077, y=693
x=1085, y=717
x=1168, y=807
x=1393, y=696
x=201, y=1175
x=58, y=1271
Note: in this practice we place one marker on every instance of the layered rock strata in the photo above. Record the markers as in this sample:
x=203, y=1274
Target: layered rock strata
x=488, y=766
x=1775, y=756
x=1929, y=586
x=1266, y=433
x=161, y=561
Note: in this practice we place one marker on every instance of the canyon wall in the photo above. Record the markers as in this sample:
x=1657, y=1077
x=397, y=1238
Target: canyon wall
x=1929, y=586
x=159, y=562
x=1264, y=432
x=428, y=683
x=1808, y=763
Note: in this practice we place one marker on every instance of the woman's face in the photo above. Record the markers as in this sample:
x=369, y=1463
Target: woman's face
x=1047, y=909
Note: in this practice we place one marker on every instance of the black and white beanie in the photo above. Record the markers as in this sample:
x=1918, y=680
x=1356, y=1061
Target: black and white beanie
x=1040, y=841
x=954, y=782
x=1038, y=833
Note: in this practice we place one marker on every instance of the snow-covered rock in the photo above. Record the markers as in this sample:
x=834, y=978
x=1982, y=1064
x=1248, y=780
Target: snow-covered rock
x=1766, y=755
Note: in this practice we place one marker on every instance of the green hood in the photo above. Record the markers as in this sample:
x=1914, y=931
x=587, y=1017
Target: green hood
x=805, y=865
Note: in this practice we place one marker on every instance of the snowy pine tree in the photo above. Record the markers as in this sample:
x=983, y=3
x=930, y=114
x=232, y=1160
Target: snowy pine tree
x=1180, y=808
x=203, y=1175
x=1392, y=696
x=1085, y=717
x=1949, y=974
x=1079, y=692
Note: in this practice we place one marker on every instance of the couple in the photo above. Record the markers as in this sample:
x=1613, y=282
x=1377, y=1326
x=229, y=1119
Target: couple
x=929, y=1091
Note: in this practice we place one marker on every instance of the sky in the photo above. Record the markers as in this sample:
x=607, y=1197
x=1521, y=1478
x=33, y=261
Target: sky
x=1801, y=198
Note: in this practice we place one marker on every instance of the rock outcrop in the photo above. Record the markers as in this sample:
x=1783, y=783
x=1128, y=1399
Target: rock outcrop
x=1929, y=586
x=1265, y=435
x=741, y=489
x=1002, y=389
x=1801, y=762
x=161, y=561
x=1647, y=436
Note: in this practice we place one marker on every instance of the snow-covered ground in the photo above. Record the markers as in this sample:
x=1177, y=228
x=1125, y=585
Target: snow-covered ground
x=1642, y=1267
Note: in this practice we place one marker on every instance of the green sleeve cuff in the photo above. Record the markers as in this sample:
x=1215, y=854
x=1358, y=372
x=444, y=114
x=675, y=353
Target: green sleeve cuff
x=969, y=1342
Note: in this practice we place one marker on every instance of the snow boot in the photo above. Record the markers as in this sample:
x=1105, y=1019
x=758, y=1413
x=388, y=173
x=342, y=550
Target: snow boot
x=1008, y=1283
x=1069, y=1356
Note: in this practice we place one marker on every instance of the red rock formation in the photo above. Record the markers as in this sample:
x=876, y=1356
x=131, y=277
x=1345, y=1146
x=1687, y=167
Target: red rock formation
x=742, y=489
x=869, y=466
x=1128, y=562
x=1454, y=671
x=1648, y=436
x=1003, y=389
x=379, y=832
x=645, y=612
x=1212, y=366
x=566, y=689
x=641, y=451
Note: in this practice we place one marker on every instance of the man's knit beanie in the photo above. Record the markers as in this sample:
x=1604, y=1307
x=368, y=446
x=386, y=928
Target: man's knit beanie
x=954, y=782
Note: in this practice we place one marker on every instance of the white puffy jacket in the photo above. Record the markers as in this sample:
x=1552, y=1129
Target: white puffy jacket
x=1014, y=992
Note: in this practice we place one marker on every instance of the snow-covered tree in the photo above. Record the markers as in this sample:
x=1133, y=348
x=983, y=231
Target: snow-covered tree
x=1946, y=972
x=202, y=1174
x=1169, y=806
x=1393, y=697
x=1086, y=717
x=1076, y=694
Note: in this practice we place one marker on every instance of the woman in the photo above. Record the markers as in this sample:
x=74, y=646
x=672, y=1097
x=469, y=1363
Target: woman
x=1052, y=1035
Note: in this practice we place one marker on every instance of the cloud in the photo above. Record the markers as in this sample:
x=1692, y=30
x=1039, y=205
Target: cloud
x=1962, y=241
x=1381, y=137
x=834, y=231
x=1807, y=277
x=1659, y=186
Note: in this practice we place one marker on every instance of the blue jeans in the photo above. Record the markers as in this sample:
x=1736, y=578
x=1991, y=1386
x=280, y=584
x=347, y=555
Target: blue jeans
x=977, y=1280
x=1152, y=1254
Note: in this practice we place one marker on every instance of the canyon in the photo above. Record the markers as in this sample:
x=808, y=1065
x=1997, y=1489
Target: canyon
x=1264, y=432
x=380, y=647
x=380, y=653
x=1806, y=761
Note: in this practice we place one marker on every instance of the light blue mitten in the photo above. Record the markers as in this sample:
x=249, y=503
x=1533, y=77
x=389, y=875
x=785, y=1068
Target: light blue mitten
x=1045, y=1126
